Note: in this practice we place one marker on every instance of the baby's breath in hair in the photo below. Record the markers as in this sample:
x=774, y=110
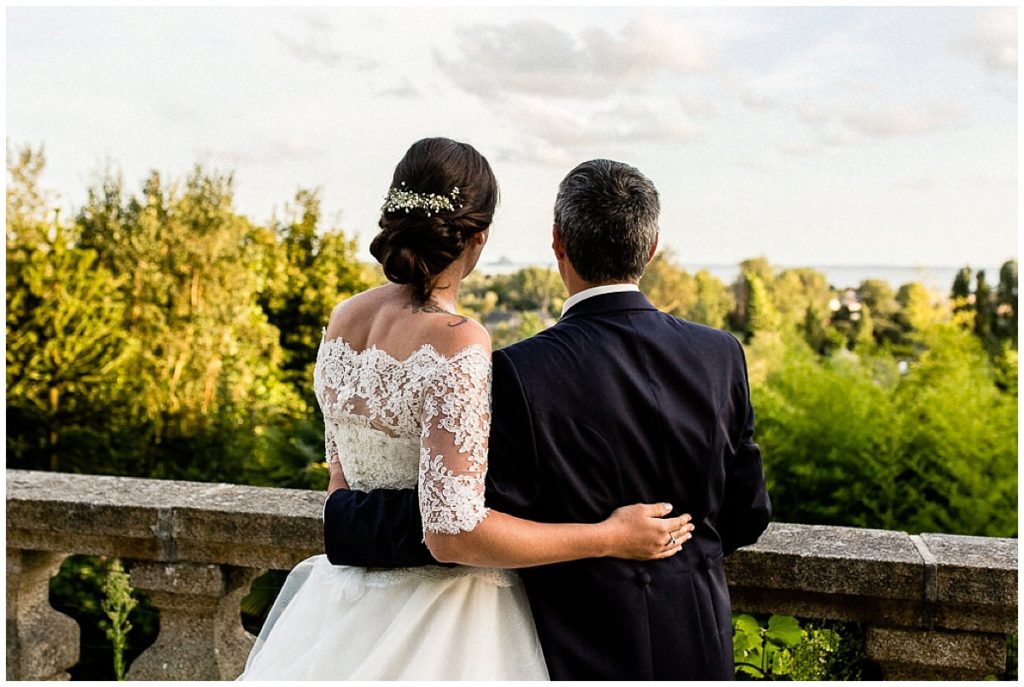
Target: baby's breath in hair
x=402, y=199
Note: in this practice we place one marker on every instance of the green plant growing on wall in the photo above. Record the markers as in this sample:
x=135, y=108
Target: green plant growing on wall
x=782, y=649
x=758, y=651
x=117, y=604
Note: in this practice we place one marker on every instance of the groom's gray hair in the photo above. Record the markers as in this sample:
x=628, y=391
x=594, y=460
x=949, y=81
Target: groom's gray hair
x=606, y=214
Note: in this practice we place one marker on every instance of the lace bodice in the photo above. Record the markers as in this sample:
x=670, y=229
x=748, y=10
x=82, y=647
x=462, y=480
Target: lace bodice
x=419, y=422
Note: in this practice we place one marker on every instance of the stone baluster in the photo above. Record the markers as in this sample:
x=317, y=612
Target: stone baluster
x=41, y=643
x=201, y=634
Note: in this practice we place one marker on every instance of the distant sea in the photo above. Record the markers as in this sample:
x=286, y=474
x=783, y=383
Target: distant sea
x=939, y=279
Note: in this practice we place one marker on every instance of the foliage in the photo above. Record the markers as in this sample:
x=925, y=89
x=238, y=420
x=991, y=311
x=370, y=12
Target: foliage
x=513, y=306
x=701, y=298
x=852, y=441
x=65, y=344
x=762, y=315
x=668, y=286
x=781, y=649
x=77, y=590
x=117, y=605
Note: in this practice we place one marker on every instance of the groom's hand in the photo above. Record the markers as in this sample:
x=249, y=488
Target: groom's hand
x=641, y=532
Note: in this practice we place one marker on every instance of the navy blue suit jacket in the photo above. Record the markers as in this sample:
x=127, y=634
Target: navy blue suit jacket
x=618, y=403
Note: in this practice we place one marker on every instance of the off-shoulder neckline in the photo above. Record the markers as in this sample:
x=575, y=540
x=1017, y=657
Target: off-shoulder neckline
x=426, y=348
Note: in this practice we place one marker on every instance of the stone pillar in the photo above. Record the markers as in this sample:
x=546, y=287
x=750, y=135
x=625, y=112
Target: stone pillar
x=41, y=643
x=201, y=634
x=907, y=654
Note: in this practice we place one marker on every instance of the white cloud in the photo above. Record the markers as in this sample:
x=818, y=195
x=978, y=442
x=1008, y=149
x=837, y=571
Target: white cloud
x=405, y=88
x=812, y=113
x=556, y=133
x=698, y=104
x=317, y=43
x=862, y=118
x=538, y=57
x=994, y=39
x=903, y=120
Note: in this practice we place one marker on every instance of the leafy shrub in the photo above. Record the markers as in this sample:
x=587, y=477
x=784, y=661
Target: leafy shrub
x=851, y=441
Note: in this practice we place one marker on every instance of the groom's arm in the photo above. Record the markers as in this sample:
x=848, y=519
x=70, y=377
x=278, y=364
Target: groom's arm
x=375, y=529
x=746, y=508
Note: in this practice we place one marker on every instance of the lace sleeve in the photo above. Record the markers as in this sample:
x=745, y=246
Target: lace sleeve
x=455, y=420
x=330, y=443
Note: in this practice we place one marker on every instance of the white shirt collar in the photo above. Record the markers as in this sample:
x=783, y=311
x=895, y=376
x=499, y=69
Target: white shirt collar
x=596, y=291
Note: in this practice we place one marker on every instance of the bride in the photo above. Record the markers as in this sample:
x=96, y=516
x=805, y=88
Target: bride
x=404, y=386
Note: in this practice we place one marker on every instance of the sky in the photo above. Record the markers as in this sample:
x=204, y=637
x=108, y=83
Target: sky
x=811, y=136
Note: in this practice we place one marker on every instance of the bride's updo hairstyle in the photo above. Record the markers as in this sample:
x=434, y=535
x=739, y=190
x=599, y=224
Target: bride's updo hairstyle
x=442, y=193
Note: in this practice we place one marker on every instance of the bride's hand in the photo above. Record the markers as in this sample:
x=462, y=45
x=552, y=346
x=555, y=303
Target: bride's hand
x=642, y=532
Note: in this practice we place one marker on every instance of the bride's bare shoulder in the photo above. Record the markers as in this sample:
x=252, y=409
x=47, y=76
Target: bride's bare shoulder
x=356, y=309
x=450, y=335
x=384, y=317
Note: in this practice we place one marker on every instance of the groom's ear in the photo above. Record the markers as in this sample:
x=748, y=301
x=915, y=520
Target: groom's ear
x=654, y=248
x=556, y=243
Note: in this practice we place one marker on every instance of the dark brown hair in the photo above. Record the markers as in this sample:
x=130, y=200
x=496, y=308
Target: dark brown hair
x=414, y=247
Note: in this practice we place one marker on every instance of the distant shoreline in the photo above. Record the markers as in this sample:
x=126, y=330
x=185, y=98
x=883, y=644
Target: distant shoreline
x=939, y=278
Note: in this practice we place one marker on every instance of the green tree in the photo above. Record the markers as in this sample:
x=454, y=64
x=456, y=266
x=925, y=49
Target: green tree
x=714, y=301
x=206, y=383
x=1006, y=299
x=762, y=317
x=795, y=288
x=66, y=350
x=739, y=319
x=864, y=338
x=668, y=286
x=961, y=290
x=813, y=329
x=919, y=308
x=984, y=308
x=307, y=272
x=854, y=442
x=879, y=297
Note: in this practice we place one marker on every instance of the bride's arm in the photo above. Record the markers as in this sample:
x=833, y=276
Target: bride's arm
x=459, y=528
x=639, y=532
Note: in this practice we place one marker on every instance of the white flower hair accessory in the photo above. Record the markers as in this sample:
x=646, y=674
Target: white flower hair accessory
x=402, y=199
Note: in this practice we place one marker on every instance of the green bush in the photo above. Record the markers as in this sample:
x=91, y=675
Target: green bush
x=779, y=647
x=851, y=441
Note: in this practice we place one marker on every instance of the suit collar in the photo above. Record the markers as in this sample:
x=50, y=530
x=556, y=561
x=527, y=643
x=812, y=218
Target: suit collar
x=609, y=302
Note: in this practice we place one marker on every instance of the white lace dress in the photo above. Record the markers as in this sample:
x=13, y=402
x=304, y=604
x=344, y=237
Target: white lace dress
x=420, y=422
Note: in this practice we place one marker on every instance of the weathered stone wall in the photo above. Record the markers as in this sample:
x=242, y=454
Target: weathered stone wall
x=936, y=605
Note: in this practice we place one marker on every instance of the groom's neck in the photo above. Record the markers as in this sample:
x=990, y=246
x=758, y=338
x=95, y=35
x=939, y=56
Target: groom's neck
x=574, y=284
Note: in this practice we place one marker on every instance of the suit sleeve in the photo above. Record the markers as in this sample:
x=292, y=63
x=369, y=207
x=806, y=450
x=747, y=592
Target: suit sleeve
x=746, y=508
x=513, y=480
x=381, y=528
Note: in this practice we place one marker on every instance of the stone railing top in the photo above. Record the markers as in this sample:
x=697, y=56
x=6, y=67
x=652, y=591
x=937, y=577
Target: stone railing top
x=931, y=580
x=163, y=519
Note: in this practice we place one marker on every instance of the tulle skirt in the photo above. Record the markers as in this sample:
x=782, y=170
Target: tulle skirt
x=432, y=623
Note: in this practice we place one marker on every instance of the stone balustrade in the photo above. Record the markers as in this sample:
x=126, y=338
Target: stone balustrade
x=935, y=606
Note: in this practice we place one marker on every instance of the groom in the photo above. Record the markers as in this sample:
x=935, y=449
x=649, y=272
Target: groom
x=617, y=403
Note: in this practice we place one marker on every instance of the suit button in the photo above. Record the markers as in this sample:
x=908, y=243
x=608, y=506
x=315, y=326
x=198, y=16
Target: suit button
x=644, y=579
